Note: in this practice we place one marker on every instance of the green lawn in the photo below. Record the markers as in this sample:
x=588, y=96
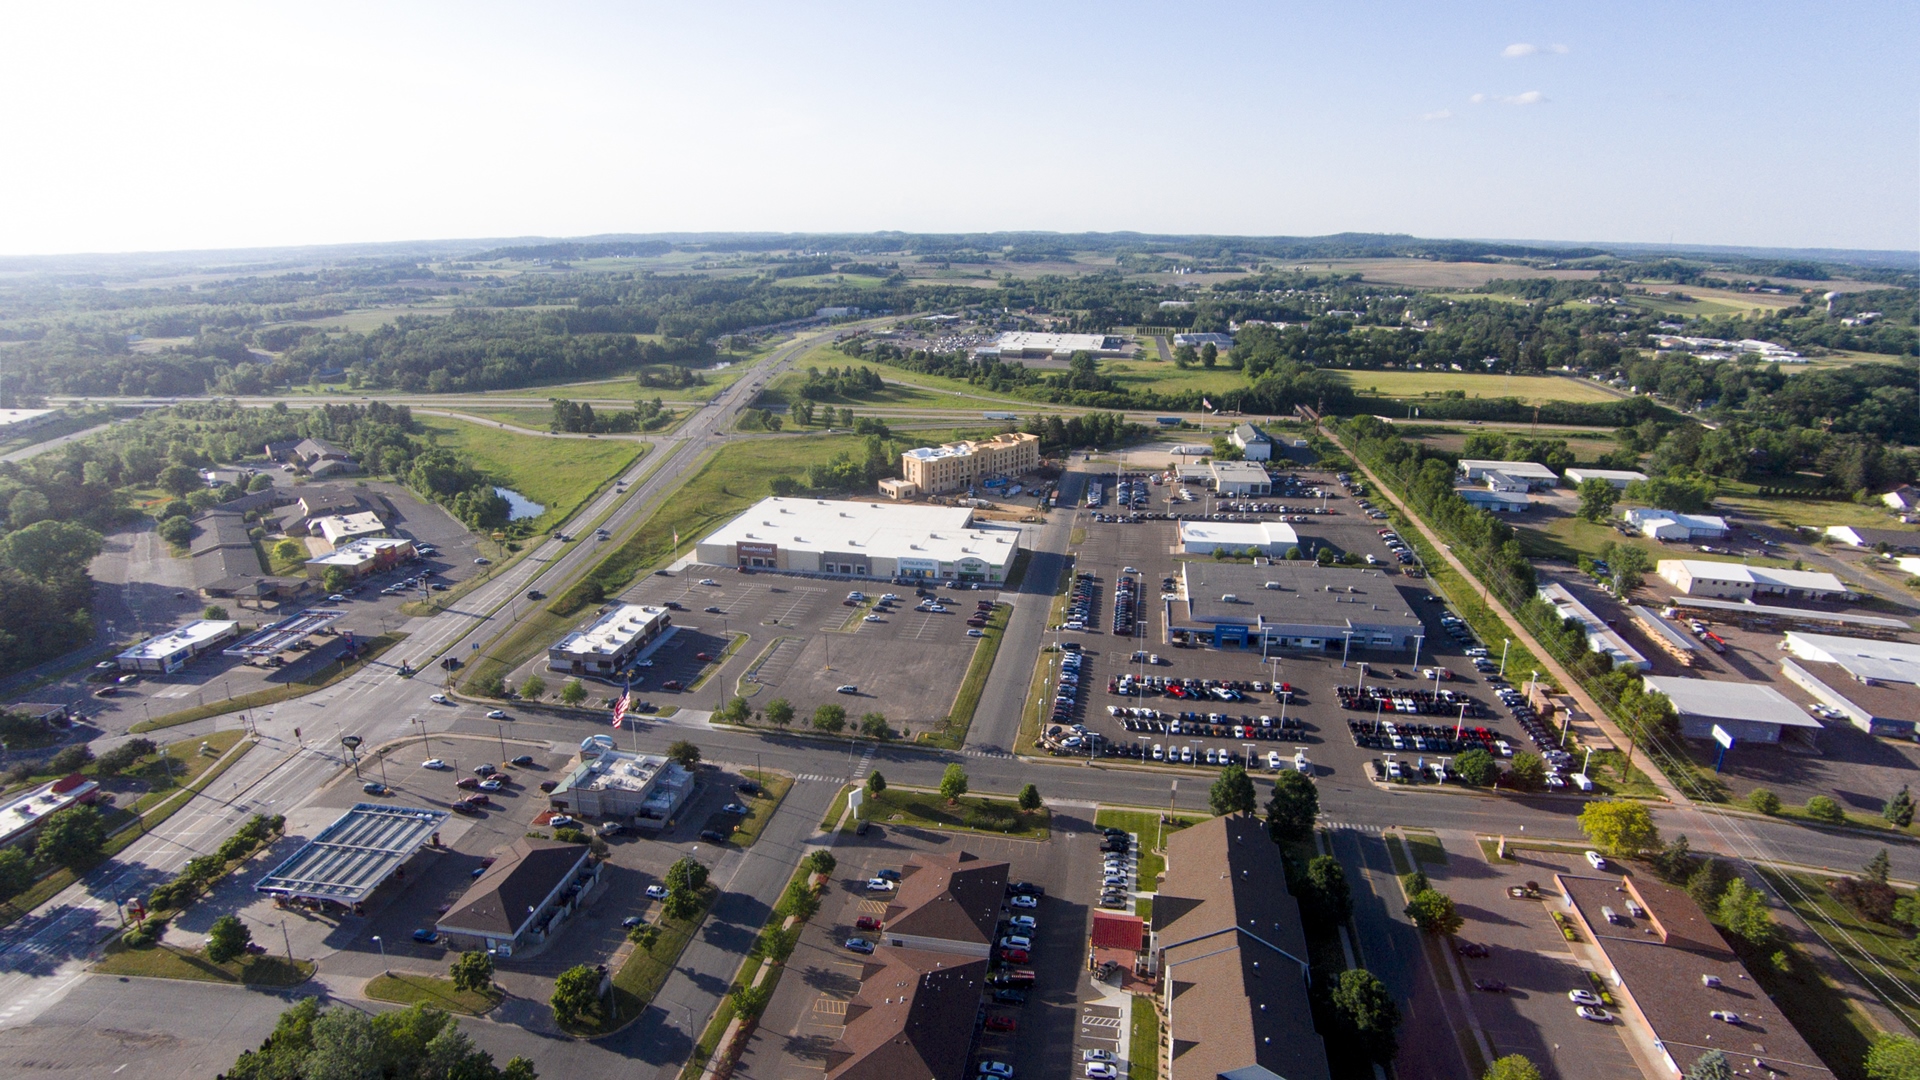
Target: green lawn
x=432, y=991
x=1411, y=385
x=559, y=474
x=838, y=808
x=904, y=389
x=646, y=970
x=972, y=813
x=760, y=808
x=1147, y=826
x=1163, y=377
x=826, y=356
x=1143, y=1042
x=1837, y=1030
x=1426, y=848
x=172, y=962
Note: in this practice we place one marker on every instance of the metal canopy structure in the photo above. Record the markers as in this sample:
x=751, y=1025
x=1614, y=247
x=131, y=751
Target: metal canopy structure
x=278, y=637
x=351, y=857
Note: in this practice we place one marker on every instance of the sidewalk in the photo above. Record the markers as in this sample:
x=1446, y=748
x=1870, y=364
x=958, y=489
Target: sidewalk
x=1589, y=711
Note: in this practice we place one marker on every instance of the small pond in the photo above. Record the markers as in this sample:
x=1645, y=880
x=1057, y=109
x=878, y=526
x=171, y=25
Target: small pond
x=519, y=507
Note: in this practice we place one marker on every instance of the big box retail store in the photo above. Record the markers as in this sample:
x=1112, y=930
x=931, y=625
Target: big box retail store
x=863, y=540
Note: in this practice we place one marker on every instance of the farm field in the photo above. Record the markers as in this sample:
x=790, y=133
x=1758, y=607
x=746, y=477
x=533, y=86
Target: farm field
x=559, y=474
x=1409, y=385
x=1165, y=378
x=1441, y=275
x=832, y=281
x=1587, y=444
x=912, y=387
x=1744, y=498
x=1712, y=302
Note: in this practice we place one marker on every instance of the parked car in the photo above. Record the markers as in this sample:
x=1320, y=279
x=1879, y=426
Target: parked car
x=427, y=937
x=1588, y=1012
x=1001, y=1022
x=866, y=922
x=433, y=763
x=880, y=885
x=734, y=808
x=859, y=945
x=1010, y=996
x=656, y=892
x=1024, y=902
x=522, y=761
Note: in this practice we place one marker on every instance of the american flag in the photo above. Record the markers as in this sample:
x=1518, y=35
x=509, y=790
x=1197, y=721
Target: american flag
x=620, y=707
x=1208, y=404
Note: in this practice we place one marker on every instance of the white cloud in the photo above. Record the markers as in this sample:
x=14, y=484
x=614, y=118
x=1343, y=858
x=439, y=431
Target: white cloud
x=1520, y=48
x=1438, y=114
x=1531, y=97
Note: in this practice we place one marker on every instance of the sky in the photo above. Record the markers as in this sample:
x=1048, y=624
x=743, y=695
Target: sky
x=146, y=127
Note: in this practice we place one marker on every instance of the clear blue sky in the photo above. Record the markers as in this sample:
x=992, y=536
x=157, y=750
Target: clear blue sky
x=161, y=126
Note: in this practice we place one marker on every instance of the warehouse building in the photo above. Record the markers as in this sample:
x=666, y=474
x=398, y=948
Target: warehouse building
x=1293, y=605
x=338, y=529
x=1014, y=345
x=960, y=466
x=1233, y=998
x=1529, y=473
x=358, y=558
x=863, y=540
x=1619, y=478
x=1498, y=502
x=523, y=899
x=1750, y=712
x=1600, y=637
x=643, y=789
x=175, y=649
x=1269, y=538
x=1735, y=581
x=1673, y=525
x=1901, y=540
x=1235, y=479
x=1872, y=683
x=605, y=647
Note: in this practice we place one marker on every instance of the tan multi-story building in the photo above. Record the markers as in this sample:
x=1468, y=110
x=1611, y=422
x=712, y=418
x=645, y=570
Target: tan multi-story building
x=936, y=470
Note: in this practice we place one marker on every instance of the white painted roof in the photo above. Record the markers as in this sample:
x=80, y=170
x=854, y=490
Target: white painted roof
x=1815, y=580
x=355, y=552
x=1238, y=533
x=1577, y=475
x=1717, y=700
x=1531, y=470
x=945, y=533
x=607, y=634
x=164, y=645
x=1886, y=661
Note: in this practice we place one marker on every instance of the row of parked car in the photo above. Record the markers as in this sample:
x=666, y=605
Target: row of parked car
x=1389, y=699
x=1080, y=603
x=1126, y=594
x=1558, y=761
x=1066, y=695
x=1128, y=684
x=1428, y=738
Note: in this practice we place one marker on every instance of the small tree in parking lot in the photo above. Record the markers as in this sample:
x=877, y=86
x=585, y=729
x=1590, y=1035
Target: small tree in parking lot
x=473, y=971
x=573, y=693
x=227, y=939
x=830, y=718
x=1476, y=767
x=1030, y=798
x=953, y=783
x=1433, y=911
x=779, y=712
x=533, y=687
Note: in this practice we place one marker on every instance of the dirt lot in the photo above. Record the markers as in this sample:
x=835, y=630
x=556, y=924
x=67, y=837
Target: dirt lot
x=1062, y=1014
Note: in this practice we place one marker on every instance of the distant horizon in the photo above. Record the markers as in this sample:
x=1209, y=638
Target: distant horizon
x=224, y=126
x=1865, y=257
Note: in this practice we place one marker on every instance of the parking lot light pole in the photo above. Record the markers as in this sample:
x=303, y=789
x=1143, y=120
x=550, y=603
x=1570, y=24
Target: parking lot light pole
x=1418, y=640
x=1503, y=657
x=1346, y=644
x=383, y=954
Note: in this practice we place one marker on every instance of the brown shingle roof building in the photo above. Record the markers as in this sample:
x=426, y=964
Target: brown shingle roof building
x=513, y=897
x=947, y=903
x=1672, y=970
x=1232, y=959
x=912, y=1019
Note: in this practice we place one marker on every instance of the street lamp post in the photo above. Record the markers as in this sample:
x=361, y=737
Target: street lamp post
x=1346, y=644
x=383, y=954
x=1418, y=641
x=1503, y=656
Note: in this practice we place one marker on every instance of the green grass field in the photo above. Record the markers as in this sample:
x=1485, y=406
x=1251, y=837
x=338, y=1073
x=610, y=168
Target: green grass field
x=832, y=281
x=173, y=962
x=1410, y=385
x=1165, y=378
x=972, y=813
x=559, y=474
x=432, y=991
x=915, y=389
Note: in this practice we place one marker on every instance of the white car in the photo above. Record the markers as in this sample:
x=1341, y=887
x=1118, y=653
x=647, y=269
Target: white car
x=973, y=631
x=880, y=884
x=871, y=618
x=433, y=763
x=1023, y=902
x=1584, y=997
x=1024, y=922
x=1101, y=1070
x=1096, y=1055
x=708, y=581
x=846, y=688
x=1273, y=760
x=1596, y=860
x=1016, y=941
x=656, y=892
x=438, y=699
x=336, y=598
x=496, y=714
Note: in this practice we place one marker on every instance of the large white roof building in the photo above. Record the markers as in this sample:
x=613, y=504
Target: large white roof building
x=605, y=646
x=863, y=540
x=171, y=651
x=1206, y=537
x=1737, y=581
x=1531, y=473
x=1750, y=712
x=1014, y=344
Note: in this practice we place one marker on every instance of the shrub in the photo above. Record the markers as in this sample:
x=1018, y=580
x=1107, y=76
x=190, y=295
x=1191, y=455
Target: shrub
x=1822, y=808
x=1763, y=800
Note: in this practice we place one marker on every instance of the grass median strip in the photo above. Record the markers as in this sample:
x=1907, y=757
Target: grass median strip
x=432, y=991
x=173, y=962
x=306, y=684
x=760, y=808
x=1152, y=831
x=953, y=732
x=646, y=969
x=969, y=813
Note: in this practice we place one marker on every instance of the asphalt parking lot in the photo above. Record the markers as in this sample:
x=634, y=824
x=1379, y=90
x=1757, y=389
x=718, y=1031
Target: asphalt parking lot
x=1527, y=953
x=803, y=642
x=1051, y=1029
x=1310, y=720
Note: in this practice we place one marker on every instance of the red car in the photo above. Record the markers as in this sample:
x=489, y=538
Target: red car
x=866, y=922
x=1015, y=956
x=468, y=783
x=1000, y=1022
x=702, y=657
x=670, y=684
x=477, y=800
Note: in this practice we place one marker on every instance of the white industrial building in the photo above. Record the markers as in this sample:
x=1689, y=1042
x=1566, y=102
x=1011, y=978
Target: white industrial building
x=1222, y=342
x=175, y=649
x=1871, y=682
x=1014, y=345
x=358, y=558
x=1293, y=605
x=863, y=540
x=1673, y=525
x=1619, y=478
x=1750, y=712
x=1907, y=540
x=1736, y=581
x=1499, y=502
x=1600, y=637
x=338, y=529
x=1239, y=478
x=15, y=421
x=605, y=647
x=1265, y=537
x=643, y=789
x=1530, y=473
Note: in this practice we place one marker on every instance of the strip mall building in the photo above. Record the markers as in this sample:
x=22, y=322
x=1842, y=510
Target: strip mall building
x=863, y=540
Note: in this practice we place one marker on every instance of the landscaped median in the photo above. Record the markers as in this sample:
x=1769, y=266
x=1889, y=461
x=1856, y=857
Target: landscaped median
x=644, y=970
x=307, y=684
x=433, y=991
x=163, y=961
x=953, y=731
x=985, y=814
